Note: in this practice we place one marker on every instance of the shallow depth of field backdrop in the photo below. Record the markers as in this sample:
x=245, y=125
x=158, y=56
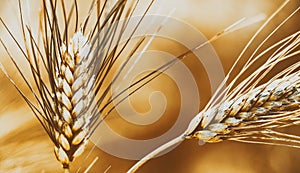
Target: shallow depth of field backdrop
x=25, y=147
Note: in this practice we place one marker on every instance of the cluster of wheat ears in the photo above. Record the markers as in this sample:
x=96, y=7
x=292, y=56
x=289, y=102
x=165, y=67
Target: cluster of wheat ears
x=71, y=91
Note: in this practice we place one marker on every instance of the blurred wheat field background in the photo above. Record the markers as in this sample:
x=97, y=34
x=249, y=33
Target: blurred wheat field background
x=26, y=148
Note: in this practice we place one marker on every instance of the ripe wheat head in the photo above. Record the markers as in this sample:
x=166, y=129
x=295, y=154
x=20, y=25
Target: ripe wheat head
x=251, y=111
x=71, y=87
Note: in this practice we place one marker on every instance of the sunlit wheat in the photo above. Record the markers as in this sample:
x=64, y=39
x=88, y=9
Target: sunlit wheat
x=70, y=70
x=250, y=111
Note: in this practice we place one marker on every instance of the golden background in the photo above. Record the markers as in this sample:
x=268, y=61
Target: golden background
x=25, y=147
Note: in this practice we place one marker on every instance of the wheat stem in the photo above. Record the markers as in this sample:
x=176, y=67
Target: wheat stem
x=107, y=169
x=91, y=165
x=156, y=151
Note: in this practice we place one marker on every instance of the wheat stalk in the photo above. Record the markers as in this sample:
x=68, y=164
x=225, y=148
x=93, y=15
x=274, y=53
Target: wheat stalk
x=248, y=118
x=251, y=112
x=72, y=99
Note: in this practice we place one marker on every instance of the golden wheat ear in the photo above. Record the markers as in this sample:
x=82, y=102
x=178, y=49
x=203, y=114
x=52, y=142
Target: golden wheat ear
x=251, y=111
x=70, y=69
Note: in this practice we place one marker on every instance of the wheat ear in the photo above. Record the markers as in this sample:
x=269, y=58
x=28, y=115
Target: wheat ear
x=255, y=114
x=71, y=87
x=74, y=82
x=250, y=112
x=249, y=118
